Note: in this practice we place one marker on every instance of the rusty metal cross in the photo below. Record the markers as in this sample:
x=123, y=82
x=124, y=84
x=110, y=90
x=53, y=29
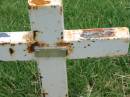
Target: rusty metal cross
x=50, y=44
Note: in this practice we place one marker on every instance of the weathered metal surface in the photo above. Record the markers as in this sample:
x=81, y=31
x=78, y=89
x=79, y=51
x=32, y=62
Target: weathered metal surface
x=53, y=76
x=99, y=42
x=99, y=48
x=48, y=20
x=79, y=43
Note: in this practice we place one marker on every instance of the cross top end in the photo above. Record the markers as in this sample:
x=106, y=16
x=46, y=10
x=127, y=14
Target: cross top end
x=42, y=3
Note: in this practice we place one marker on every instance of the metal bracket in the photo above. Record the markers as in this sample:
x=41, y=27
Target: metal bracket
x=51, y=52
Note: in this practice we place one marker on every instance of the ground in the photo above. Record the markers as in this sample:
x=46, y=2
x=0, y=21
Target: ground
x=102, y=77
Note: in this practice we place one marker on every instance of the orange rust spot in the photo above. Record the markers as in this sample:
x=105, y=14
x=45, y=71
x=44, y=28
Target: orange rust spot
x=66, y=45
x=11, y=51
x=37, y=3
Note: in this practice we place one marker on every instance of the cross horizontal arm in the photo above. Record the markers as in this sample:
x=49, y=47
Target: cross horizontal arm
x=98, y=42
x=16, y=46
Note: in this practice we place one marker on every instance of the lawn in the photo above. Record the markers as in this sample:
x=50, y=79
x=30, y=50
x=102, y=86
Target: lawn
x=92, y=77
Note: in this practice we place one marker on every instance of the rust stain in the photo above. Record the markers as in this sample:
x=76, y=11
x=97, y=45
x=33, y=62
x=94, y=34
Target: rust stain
x=11, y=51
x=37, y=3
x=69, y=47
x=31, y=46
x=97, y=33
x=32, y=42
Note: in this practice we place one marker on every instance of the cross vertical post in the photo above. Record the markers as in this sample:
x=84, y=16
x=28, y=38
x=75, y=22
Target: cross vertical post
x=47, y=18
x=52, y=67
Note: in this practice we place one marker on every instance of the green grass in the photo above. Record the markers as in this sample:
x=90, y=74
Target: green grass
x=14, y=15
x=96, y=13
x=104, y=77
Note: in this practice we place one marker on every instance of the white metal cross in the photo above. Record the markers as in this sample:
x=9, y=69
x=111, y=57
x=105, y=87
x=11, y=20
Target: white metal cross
x=49, y=44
